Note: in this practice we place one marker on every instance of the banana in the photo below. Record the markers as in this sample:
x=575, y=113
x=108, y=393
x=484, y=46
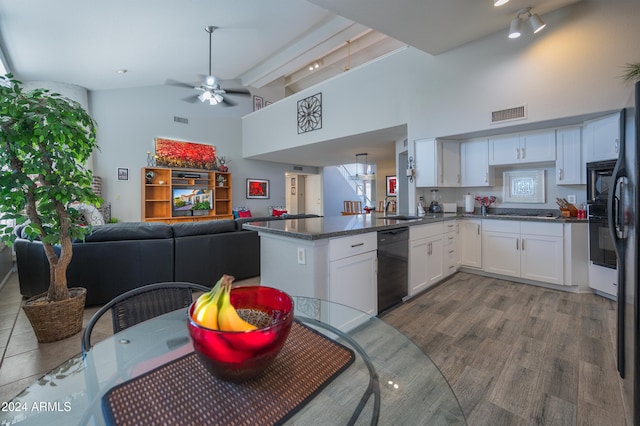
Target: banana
x=206, y=297
x=205, y=312
x=228, y=318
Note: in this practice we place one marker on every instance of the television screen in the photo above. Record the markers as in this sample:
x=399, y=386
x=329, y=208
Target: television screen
x=184, y=200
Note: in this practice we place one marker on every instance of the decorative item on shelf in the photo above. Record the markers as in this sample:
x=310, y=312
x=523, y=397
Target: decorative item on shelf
x=149, y=175
x=64, y=135
x=151, y=159
x=632, y=72
x=222, y=164
x=201, y=208
x=411, y=170
x=221, y=180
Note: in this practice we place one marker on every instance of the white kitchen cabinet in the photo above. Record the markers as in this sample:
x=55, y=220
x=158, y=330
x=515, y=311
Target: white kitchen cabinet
x=474, y=163
x=530, y=250
x=526, y=147
x=437, y=163
x=450, y=260
x=501, y=250
x=602, y=138
x=470, y=243
x=426, y=245
x=570, y=167
x=353, y=272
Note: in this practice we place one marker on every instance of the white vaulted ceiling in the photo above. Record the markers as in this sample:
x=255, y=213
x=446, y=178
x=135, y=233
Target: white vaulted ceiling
x=84, y=42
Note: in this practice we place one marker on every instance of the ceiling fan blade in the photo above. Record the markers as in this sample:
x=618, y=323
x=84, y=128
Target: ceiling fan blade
x=192, y=99
x=179, y=84
x=237, y=91
x=228, y=102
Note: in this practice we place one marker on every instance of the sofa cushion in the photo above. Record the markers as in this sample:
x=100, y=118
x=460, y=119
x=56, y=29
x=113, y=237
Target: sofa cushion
x=186, y=229
x=129, y=231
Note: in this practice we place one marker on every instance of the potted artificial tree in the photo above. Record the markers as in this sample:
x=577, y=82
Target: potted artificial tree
x=45, y=140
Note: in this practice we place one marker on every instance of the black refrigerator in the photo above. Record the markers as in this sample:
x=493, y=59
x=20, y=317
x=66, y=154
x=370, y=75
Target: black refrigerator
x=623, y=225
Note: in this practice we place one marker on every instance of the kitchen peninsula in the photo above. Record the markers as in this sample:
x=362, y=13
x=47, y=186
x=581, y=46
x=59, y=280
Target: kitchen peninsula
x=335, y=258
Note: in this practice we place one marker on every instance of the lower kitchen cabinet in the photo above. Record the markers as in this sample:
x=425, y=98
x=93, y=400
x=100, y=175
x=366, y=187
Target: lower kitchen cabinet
x=470, y=244
x=426, y=267
x=450, y=248
x=529, y=250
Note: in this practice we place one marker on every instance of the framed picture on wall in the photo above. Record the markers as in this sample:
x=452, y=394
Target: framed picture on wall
x=257, y=188
x=392, y=186
x=123, y=173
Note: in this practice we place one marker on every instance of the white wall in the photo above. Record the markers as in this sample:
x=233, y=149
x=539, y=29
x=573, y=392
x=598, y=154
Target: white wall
x=129, y=120
x=572, y=68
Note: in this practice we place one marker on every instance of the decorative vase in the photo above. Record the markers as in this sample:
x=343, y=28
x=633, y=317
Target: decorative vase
x=53, y=321
x=220, y=183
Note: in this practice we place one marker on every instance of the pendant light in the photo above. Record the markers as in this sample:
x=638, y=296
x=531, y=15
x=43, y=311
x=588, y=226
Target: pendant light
x=366, y=169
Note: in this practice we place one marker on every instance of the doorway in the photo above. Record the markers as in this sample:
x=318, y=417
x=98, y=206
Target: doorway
x=303, y=193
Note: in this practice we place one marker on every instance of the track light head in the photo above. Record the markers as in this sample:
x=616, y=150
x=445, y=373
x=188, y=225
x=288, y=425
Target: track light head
x=514, y=28
x=536, y=23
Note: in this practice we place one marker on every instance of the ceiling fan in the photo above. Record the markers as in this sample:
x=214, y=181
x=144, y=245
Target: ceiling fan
x=210, y=89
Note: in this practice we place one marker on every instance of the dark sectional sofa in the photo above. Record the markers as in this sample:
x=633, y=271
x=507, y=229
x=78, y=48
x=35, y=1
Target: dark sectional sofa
x=116, y=258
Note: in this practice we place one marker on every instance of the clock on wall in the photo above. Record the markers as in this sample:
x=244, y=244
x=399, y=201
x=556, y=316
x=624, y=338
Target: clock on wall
x=310, y=113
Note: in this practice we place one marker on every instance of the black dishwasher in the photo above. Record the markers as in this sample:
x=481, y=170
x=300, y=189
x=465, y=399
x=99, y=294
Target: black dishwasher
x=393, y=267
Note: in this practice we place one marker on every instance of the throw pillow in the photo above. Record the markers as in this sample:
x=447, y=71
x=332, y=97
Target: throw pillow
x=279, y=212
x=244, y=213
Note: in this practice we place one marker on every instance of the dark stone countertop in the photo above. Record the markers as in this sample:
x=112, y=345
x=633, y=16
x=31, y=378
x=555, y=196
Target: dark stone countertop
x=319, y=228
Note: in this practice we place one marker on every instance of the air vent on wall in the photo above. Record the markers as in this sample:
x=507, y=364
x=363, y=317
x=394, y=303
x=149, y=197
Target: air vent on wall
x=509, y=114
x=180, y=119
x=297, y=168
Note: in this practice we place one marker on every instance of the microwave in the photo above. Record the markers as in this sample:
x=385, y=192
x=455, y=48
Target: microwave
x=599, y=181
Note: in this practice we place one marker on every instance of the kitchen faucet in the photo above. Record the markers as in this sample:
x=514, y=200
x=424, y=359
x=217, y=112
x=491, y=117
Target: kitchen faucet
x=386, y=205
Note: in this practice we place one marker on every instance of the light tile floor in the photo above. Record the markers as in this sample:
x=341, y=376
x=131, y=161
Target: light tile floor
x=23, y=359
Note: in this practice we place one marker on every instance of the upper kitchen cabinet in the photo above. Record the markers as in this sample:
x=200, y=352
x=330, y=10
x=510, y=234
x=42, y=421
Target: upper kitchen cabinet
x=569, y=162
x=602, y=138
x=527, y=147
x=437, y=163
x=474, y=160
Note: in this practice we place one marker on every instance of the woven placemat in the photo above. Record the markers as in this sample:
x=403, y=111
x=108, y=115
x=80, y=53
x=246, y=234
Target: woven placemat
x=184, y=392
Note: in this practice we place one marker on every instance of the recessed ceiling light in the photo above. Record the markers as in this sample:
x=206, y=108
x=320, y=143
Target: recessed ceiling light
x=121, y=71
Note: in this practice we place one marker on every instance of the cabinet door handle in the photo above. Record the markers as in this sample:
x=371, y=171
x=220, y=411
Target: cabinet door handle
x=517, y=244
x=523, y=152
x=617, y=146
x=357, y=245
x=478, y=229
x=560, y=173
x=523, y=244
x=486, y=177
x=517, y=153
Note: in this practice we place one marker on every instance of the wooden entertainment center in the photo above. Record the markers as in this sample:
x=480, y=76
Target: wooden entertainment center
x=161, y=186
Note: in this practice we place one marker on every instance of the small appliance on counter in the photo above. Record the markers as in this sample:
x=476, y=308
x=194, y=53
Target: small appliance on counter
x=449, y=207
x=434, y=207
x=420, y=207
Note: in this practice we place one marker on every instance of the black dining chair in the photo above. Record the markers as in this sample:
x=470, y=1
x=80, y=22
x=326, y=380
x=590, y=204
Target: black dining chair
x=141, y=304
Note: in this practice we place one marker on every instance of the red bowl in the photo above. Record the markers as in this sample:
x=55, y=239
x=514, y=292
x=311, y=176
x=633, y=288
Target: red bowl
x=242, y=355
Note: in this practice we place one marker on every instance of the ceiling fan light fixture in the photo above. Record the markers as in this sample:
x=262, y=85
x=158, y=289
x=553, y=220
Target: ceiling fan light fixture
x=205, y=96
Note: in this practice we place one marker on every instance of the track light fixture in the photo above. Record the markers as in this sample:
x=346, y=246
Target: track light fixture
x=536, y=23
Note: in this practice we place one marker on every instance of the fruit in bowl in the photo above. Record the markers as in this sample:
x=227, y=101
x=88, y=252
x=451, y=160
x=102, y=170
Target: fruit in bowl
x=237, y=333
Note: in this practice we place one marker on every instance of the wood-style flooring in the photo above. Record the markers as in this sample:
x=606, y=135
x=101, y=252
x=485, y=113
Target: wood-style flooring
x=517, y=354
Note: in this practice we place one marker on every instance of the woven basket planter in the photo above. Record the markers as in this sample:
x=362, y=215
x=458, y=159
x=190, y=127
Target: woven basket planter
x=53, y=321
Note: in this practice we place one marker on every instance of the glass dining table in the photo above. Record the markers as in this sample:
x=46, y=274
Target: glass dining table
x=389, y=381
